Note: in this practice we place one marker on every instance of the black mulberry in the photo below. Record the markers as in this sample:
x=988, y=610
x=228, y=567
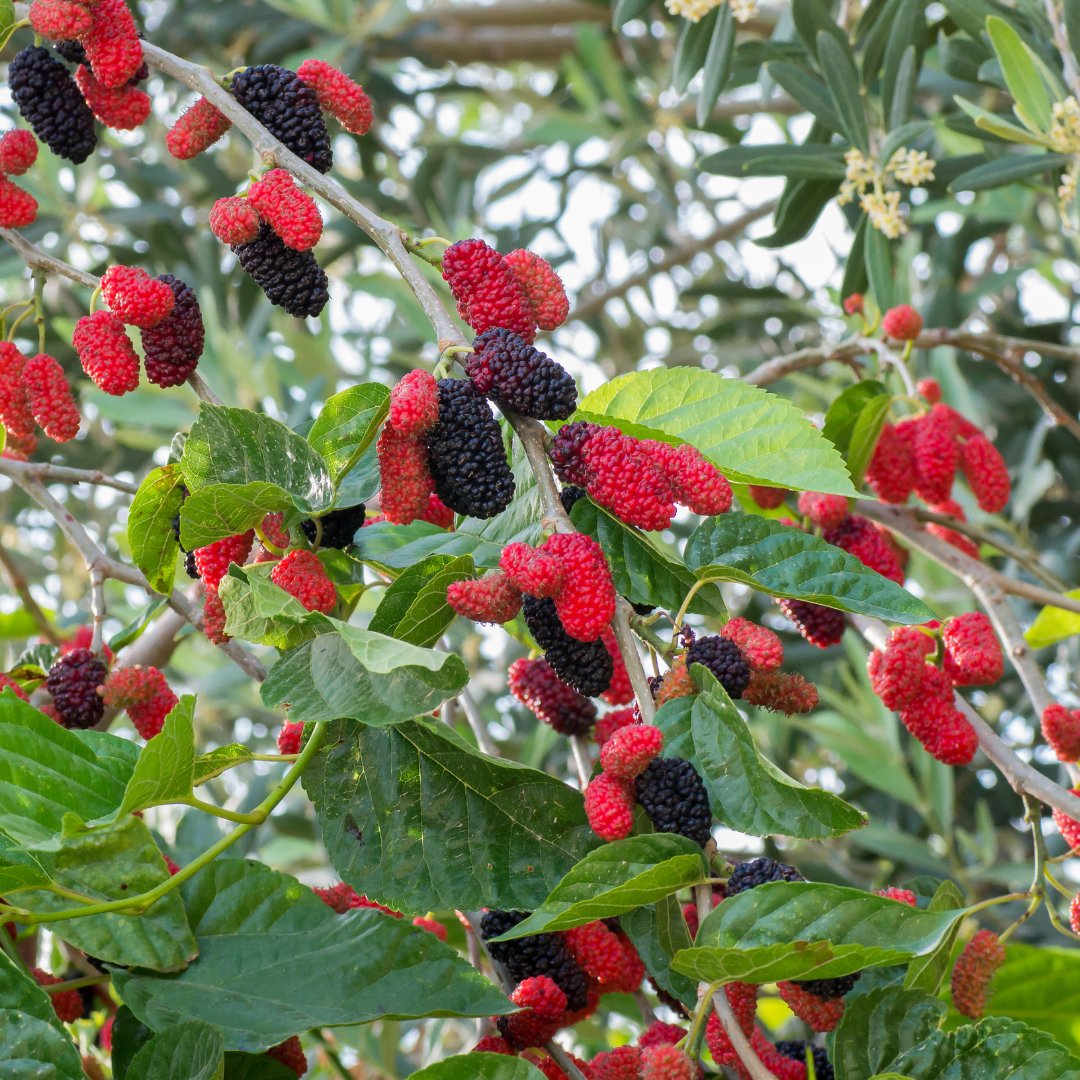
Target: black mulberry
x=537, y=954
x=468, y=458
x=171, y=350
x=675, y=799
x=748, y=875
x=519, y=377
x=73, y=681
x=796, y=1050
x=821, y=626
x=829, y=989
x=291, y=279
x=338, y=527
x=724, y=659
x=585, y=665
x=288, y=108
x=570, y=496
x=50, y=101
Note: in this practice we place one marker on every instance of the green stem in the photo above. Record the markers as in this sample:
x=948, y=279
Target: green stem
x=686, y=601
x=692, y=1039
x=40, y=277
x=653, y=640
x=94, y=299
x=19, y=321
x=254, y=818
x=13, y=953
x=137, y=905
x=77, y=984
x=1006, y=899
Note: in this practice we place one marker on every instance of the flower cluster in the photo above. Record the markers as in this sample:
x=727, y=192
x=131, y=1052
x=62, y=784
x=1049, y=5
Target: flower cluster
x=911, y=167
x=695, y=10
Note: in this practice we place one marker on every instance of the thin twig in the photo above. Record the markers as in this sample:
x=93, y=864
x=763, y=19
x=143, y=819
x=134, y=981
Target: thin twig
x=1061, y=42
x=18, y=584
x=61, y=474
x=581, y=760
x=847, y=352
x=476, y=722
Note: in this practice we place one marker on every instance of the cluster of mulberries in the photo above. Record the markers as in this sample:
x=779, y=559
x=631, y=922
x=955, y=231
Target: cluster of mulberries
x=76, y=681
x=518, y=377
x=639, y=481
x=18, y=151
x=144, y=693
x=279, y=201
x=35, y=392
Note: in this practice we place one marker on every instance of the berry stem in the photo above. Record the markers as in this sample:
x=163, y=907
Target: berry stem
x=254, y=818
x=700, y=583
x=40, y=277
x=20, y=320
x=10, y=308
x=20, y=25
x=94, y=296
x=78, y=984
x=691, y=1041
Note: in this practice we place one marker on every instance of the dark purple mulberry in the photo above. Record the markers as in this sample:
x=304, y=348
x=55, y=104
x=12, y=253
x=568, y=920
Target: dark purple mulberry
x=587, y=666
x=519, y=377
x=821, y=626
x=292, y=280
x=73, y=681
x=51, y=102
x=171, y=350
x=338, y=527
x=748, y=875
x=674, y=797
x=725, y=660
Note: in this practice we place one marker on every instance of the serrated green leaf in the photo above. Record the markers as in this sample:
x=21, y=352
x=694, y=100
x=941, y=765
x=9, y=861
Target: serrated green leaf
x=116, y=862
x=348, y=424
x=1053, y=624
x=615, y=879
x=236, y=446
x=751, y=436
x=414, y=608
x=717, y=63
x=784, y=561
x=219, y=510
x=241, y=1066
x=641, y=572
x=1021, y=74
x=926, y=972
x=842, y=78
x=153, y=543
x=192, y=1050
x=746, y=791
x=474, y=1066
x=1008, y=169
x=397, y=547
x=413, y=815
x=844, y=412
x=19, y=869
x=642, y=927
x=258, y=610
x=34, y=1045
x=214, y=763
x=274, y=960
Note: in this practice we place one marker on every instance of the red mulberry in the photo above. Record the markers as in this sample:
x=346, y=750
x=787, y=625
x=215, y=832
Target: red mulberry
x=534, y=571
x=628, y=752
x=535, y=685
x=824, y=511
x=658, y=1033
x=620, y=692
x=18, y=151
x=1068, y=827
x=972, y=653
x=858, y=537
x=148, y=717
x=15, y=412
x=891, y=472
x=291, y=212
x=405, y=476
x=197, y=130
x=58, y=20
x=676, y=683
x=904, y=896
x=896, y=674
x=763, y=650
x=597, y=951
x=291, y=1054
x=213, y=561
x=106, y=352
x=821, y=626
x=544, y=1005
x=486, y=289
x=301, y=575
x=696, y=483
x=17, y=207
x=171, y=350
x=112, y=43
x=1061, y=730
x=519, y=377
x=122, y=108
x=902, y=323
x=609, y=805
x=930, y=389
x=943, y=730
x=1074, y=914
x=820, y=1013
x=20, y=447
x=611, y=722
x=768, y=498
x=50, y=398
x=214, y=617
x=414, y=403
x=67, y=1004
x=338, y=95
x=622, y=1063
x=937, y=455
x=290, y=737
x=951, y=536
x=542, y=286
x=986, y=474
x=973, y=973
x=233, y=221
x=132, y=685
x=438, y=513
x=8, y=683
x=854, y=304
x=586, y=602
x=666, y=1062
x=135, y=297
x=494, y=1044
x=494, y=599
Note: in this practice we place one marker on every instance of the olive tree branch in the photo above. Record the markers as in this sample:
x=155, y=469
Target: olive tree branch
x=1061, y=42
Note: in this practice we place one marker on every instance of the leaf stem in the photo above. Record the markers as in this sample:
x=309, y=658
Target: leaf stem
x=13, y=953
x=253, y=818
x=40, y=278
x=686, y=603
x=77, y=984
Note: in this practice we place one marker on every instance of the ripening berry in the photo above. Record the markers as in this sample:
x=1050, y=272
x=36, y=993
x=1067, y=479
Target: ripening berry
x=627, y=753
x=135, y=297
x=16, y=689
x=696, y=483
x=904, y=896
x=20, y=447
x=272, y=530
x=18, y=151
x=533, y=570
x=438, y=513
x=233, y=221
x=780, y=1065
x=544, y=1004
x=936, y=455
x=520, y=378
x=549, y=1067
x=213, y=561
x=896, y=674
x=658, y=1033
x=15, y=412
x=74, y=682
x=50, y=398
x=291, y=212
x=973, y=654
x=944, y=731
x=768, y=498
x=122, y=108
x=824, y=511
x=214, y=617
x=171, y=350
x=132, y=685
x=854, y=304
x=112, y=43
x=724, y=659
x=820, y=1013
x=290, y=737
x=301, y=574
x=973, y=973
x=622, y=1063
x=763, y=650
x=486, y=289
x=148, y=717
x=930, y=389
x=676, y=683
x=1067, y=826
x=986, y=474
x=343, y=899
x=857, y=536
x=584, y=665
x=586, y=602
x=414, y=403
x=106, y=352
x=666, y=1062
x=609, y=805
x=597, y=951
x=902, y=323
x=620, y=692
x=59, y=20
x=494, y=1044
x=542, y=286
x=537, y=687
x=338, y=95
x=196, y=130
x=291, y=1054
x=633, y=971
x=431, y=926
x=611, y=722
x=951, y=536
x=494, y=599
x=68, y=1003
x=404, y=474
x=17, y=207
x=781, y=691
x=821, y=626
x=891, y=472
x=1061, y=730
x=960, y=426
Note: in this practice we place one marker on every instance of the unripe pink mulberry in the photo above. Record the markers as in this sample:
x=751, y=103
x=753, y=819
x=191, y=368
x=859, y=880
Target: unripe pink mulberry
x=20, y=447
x=586, y=602
x=1067, y=826
x=438, y=513
x=973, y=973
x=112, y=43
x=933, y=719
x=825, y=511
x=50, y=398
x=611, y=722
x=196, y=130
x=290, y=737
x=891, y=472
x=122, y=108
x=822, y=1014
x=960, y=426
x=973, y=654
x=666, y=1062
x=486, y=289
x=106, y=352
x=59, y=20
x=609, y=805
x=18, y=151
x=414, y=403
x=658, y=1033
x=951, y=536
x=986, y=474
x=233, y=221
x=597, y=951
x=902, y=323
x=17, y=207
x=930, y=389
x=494, y=599
x=135, y=297
x=405, y=476
x=148, y=717
x=676, y=683
x=67, y=1004
x=291, y=212
x=1074, y=914
x=854, y=304
x=904, y=896
x=1061, y=730
x=696, y=483
x=15, y=412
x=214, y=617
x=338, y=95
x=761, y=647
x=543, y=288
x=133, y=685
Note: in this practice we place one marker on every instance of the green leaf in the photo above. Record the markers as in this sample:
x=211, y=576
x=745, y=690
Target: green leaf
x=7, y=23
x=642, y=927
x=641, y=572
x=214, y=763
x=1021, y=74
x=1071, y=15
x=900, y=70
x=615, y=879
x=34, y=1045
x=348, y=424
x=241, y=1066
x=821, y=166
x=865, y=435
x=807, y=90
x=746, y=791
x=116, y=862
x=717, y=63
x=926, y=972
x=153, y=543
x=1007, y=169
x=1053, y=624
x=844, y=412
x=129, y=1036
x=19, y=869
x=855, y=277
x=625, y=10
x=879, y=267
x=690, y=52
x=192, y=1050
x=413, y=815
x=274, y=960
x=219, y=510
x=47, y=771
x=414, y=607
x=800, y=207
x=842, y=78
x=784, y=561
x=752, y=436
x=236, y=446
x=811, y=17
x=397, y=547
x=736, y=160
x=258, y=610
x=473, y=1066
x=787, y=930
x=134, y=629
x=355, y=673
x=876, y=40
x=164, y=771
x=988, y=121
x=903, y=97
